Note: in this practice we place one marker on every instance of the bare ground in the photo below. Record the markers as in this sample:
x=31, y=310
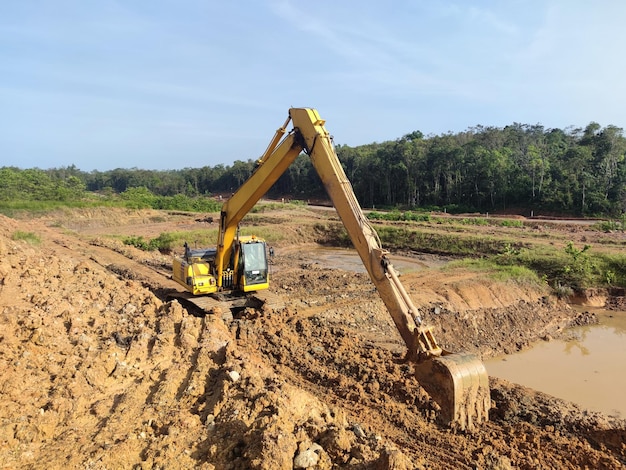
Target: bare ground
x=99, y=372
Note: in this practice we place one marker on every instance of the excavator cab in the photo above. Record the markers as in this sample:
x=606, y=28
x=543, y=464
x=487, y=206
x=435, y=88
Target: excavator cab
x=253, y=270
x=196, y=270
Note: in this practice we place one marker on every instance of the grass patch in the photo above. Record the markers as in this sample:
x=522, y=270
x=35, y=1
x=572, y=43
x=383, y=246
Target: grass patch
x=28, y=237
x=400, y=216
x=271, y=234
x=396, y=238
x=277, y=206
x=411, y=216
x=17, y=209
x=402, y=238
x=609, y=226
x=503, y=273
x=569, y=266
x=614, y=269
x=512, y=223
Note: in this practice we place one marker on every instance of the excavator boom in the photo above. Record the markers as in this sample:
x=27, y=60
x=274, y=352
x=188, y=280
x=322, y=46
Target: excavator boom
x=457, y=382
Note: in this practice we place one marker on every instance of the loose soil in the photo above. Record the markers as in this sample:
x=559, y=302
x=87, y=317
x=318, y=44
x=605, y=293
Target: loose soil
x=101, y=372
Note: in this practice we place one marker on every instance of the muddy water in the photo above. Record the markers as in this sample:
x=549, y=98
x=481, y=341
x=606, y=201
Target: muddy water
x=348, y=259
x=588, y=369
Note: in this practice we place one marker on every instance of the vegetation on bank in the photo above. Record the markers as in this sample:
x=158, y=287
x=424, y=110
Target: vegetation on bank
x=33, y=191
x=563, y=265
x=566, y=267
x=415, y=216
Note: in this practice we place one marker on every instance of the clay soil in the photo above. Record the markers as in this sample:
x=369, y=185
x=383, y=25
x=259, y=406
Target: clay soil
x=100, y=371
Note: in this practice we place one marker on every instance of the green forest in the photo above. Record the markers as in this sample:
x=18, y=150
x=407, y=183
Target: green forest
x=520, y=168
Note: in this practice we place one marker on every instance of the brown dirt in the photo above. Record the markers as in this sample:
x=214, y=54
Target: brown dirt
x=99, y=372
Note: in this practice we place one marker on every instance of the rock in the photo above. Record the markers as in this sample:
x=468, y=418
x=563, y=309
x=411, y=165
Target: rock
x=358, y=431
x=393, y=460
x=309, y=457
x=129, y=309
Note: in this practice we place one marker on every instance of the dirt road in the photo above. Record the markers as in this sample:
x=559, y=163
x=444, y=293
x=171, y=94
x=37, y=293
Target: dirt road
x=99, y=372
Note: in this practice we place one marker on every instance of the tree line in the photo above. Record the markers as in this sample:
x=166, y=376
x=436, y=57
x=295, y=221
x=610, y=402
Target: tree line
x=571, y=171
x=575, y=171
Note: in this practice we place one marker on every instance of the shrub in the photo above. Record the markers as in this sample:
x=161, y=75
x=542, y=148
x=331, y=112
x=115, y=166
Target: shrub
x=511, y=223
x=138, y=242
x=138, y=198
x=164, y=242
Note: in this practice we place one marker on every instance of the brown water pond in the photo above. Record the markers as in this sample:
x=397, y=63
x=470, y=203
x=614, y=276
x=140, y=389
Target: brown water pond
x=588, y=369
x=348, y=259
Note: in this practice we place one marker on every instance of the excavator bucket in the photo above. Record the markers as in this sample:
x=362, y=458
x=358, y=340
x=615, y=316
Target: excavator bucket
x=460, y=385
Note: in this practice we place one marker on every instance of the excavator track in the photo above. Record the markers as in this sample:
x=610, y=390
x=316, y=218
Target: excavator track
x=205, y=304
x=263, y=300
x=269, y=300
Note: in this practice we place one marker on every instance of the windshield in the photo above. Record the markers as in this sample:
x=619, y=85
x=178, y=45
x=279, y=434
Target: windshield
x=255, y=263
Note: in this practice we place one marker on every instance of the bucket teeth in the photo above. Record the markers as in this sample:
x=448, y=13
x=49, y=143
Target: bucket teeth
x=460, y=385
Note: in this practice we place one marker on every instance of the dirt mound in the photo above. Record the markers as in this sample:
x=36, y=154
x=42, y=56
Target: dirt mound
x=98, y=372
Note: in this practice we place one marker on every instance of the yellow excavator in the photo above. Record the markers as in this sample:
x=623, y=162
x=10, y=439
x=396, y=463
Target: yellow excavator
x=215, y=285
x=458, y=383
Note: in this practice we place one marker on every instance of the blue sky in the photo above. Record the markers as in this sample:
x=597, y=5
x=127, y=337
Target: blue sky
x=160, y=84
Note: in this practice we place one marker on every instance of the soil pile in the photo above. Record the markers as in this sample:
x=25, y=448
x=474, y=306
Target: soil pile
x=99, y=372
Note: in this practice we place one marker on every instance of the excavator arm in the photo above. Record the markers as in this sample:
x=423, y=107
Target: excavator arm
x=318, y=145
x=274, y=162
x=457, y=382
